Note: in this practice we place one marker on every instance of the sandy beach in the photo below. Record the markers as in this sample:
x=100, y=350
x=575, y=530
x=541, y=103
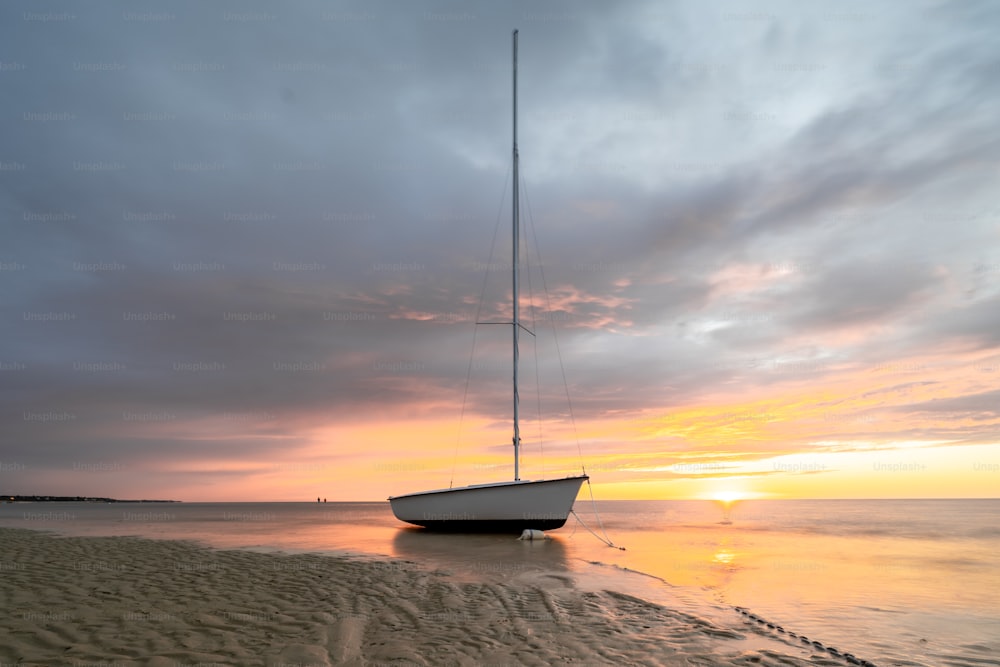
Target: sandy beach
x=130, y=601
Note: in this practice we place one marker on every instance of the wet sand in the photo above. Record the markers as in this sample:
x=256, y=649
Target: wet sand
x=129, y=601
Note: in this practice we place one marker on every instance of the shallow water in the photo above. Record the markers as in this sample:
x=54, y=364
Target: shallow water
x=895, y=582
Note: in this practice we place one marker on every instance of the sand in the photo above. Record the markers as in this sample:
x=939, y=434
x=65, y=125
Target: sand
x=129, y=601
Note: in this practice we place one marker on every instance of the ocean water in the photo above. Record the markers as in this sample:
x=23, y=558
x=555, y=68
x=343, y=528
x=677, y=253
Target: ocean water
x=896, y=582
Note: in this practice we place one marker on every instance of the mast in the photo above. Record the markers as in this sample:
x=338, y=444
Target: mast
x=515, y=323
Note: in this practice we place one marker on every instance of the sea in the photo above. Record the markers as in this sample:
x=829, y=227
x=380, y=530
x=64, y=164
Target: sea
x=893, y=582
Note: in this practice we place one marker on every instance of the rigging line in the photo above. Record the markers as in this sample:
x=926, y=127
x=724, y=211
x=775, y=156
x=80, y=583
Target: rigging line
x=562, y=370
x=555, y=337
x=534, y=347
x=538, y=406
x=475, y=330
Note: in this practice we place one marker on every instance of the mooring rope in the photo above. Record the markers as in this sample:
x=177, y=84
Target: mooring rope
x=850, y=658
x=604, y=539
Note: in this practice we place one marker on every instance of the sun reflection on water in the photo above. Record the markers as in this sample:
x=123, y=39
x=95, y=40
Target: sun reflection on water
x=726, y=501
x=724, y=557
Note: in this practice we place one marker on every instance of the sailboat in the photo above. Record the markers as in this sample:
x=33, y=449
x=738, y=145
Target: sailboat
x=510, y=506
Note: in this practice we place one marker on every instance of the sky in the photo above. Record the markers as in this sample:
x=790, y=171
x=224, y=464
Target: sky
x=245, y=246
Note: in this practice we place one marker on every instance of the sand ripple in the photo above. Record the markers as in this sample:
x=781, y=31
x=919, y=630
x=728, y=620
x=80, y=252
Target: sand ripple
x=128, y=601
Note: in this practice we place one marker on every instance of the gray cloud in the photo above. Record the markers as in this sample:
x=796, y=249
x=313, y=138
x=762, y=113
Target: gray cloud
x=215, y=209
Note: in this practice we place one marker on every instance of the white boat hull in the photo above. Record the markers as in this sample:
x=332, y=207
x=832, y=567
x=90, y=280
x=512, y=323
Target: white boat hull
x=502, y=507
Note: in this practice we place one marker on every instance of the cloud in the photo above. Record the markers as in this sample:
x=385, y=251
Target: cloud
x=287, y=214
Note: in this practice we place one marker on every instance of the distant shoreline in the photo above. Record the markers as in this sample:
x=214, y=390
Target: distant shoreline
x=73, y=499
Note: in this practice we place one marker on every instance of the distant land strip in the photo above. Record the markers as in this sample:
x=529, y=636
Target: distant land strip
x=72, y=499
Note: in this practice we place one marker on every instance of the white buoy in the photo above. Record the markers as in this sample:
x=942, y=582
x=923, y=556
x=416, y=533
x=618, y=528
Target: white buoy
x=532, y=534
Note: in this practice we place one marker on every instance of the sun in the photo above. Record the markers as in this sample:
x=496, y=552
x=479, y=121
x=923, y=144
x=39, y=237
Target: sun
x=727, y=497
